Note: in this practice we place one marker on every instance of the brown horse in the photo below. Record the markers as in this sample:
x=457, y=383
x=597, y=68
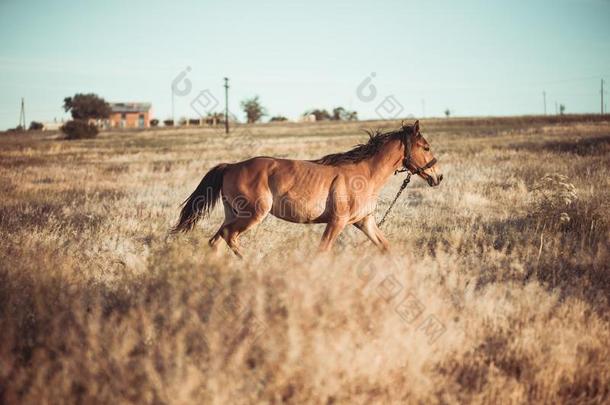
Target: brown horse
x=338, y=189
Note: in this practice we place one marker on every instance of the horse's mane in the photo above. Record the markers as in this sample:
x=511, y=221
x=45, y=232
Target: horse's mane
x=363, y=150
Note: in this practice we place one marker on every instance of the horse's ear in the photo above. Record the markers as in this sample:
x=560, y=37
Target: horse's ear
x=416, y=127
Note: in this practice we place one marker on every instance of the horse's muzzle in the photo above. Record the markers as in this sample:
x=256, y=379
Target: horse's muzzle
x=434, y=181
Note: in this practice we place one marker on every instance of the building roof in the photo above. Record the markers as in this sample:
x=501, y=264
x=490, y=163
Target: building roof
x=130, y=107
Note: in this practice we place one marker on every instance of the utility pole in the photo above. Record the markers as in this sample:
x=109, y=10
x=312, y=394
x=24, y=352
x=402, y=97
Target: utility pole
x=556, y=110
x=601, y=92
x=423, y=108
x=544, y=99
x=173, y=111
x=22, y=116
x=226, y=105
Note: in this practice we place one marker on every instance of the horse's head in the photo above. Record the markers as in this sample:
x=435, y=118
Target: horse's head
x=420, y=159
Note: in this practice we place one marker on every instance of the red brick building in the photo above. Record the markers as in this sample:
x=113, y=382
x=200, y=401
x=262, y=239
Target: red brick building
x=128, y=115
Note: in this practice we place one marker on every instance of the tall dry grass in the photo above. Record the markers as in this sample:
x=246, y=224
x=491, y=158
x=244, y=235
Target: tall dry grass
x=497, y=289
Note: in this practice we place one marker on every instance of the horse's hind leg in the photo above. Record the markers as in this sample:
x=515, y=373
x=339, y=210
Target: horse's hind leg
x=246, y=217
x=229, y=217
x=233, y=230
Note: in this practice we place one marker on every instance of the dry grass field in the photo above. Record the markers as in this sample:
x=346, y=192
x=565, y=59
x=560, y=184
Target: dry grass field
x=497, y=289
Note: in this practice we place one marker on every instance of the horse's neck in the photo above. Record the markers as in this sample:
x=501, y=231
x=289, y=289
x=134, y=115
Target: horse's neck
x=383, y=164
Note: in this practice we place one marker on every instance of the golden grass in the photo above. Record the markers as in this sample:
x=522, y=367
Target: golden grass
x=497, y=290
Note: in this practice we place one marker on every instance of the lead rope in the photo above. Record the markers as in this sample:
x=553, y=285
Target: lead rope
x=402, y=187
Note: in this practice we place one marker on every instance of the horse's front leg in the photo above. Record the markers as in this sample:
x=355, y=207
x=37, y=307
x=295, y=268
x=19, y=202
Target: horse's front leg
x=333, y=229
x=368, y=226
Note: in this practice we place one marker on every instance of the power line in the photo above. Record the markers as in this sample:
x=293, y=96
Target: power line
x=574, y=79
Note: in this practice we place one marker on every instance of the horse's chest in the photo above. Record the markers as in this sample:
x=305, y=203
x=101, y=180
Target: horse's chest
x=362, y=206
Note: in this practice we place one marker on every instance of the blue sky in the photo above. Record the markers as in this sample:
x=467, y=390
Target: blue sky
x=473, y=57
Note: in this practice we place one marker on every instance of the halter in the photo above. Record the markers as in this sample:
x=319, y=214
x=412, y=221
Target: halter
x=406, y=162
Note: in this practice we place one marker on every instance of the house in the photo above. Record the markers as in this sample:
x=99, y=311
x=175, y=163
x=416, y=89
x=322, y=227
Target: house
x=307, y=118
x=52, y=125
x=128, y=115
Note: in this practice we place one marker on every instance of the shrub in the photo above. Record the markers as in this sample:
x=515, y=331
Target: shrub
x=35, y=126
x=79, y=129
x=168, y=123
x=554, y=199
x=154, y=122
x=278, y=118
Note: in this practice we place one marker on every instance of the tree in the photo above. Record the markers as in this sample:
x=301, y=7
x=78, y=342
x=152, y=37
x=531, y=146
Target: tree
x=338, y=112
x=253, y=109
x=154, y=122
x=562, y=109
x=35, y=126
x=447, y=113
x=87, y=106
x=341, y=114
x=168, y=123
x=320, y=114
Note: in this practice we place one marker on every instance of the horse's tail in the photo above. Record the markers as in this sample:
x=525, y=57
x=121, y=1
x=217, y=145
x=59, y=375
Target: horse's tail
x=202, y=200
